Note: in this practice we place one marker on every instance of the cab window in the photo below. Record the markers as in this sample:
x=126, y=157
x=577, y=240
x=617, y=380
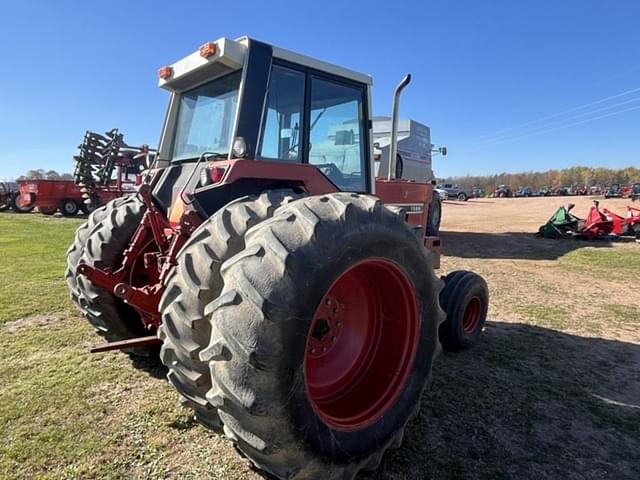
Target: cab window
x=336, y=133
x=283, y=120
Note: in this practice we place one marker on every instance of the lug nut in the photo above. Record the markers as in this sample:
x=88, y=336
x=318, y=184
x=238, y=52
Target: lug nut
x=333, y=339
x=324, y=349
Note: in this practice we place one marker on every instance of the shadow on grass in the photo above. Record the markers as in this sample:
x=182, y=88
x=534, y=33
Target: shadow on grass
x=150, y=365
x=526, y=403
x=511, y=245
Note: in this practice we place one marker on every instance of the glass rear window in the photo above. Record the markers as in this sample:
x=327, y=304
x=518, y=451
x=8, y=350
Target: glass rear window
x=337, y=133
x=206, y=118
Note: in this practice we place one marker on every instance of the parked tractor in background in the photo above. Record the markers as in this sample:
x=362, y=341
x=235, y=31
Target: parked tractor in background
x=524, y=192
x=9, y=191
x=613, y=191
x=292, y=290
x=545, y=192
x=478, y=192
x=581, y=190
x=502, y=192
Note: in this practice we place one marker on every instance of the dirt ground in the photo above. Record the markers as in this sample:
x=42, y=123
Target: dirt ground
x=503, y=215
x=551, y=391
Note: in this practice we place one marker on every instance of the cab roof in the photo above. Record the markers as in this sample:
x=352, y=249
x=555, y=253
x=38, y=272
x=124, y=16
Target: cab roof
x=230, y=56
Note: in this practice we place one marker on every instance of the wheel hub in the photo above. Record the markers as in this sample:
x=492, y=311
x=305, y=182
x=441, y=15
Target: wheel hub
x=326, y=328
x=361, y=344
x=472, y=315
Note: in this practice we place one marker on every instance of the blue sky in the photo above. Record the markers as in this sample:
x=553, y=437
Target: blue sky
x=480, y=71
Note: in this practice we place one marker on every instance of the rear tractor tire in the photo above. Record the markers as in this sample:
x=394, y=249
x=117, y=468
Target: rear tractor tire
x=193, y=284
x=110, y=316
x=465, y=300
x=323, y=337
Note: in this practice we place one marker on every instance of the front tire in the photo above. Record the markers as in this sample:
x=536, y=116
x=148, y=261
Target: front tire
x=465, y=300
x=112, y=318
x=320, y=265
x=195, y=282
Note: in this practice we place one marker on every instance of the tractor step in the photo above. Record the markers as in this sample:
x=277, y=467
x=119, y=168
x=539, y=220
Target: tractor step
x=130, y=343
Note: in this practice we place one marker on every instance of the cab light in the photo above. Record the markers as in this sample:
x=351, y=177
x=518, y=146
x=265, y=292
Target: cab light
x=211, y=175
x=165, y=72
x=239, y=148
x=208, y=49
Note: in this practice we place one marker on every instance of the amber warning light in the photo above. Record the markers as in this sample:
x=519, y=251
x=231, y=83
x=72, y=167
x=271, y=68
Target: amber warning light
x=208, y=49
x=165, y=72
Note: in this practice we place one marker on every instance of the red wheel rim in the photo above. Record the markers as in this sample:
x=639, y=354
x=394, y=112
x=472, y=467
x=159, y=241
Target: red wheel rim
x=361, y=344
x=472, y=315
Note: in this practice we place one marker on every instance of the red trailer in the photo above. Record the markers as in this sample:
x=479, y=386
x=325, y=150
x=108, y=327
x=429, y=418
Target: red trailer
x=64, y=195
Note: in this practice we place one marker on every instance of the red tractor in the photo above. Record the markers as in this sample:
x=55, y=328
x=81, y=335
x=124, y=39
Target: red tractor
x=292, y=294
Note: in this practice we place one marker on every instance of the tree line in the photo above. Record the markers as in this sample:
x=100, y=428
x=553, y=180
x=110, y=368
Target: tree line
x=577, y=176
x=41, y=174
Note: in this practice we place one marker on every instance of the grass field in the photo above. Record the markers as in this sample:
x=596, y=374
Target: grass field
x=552, y=391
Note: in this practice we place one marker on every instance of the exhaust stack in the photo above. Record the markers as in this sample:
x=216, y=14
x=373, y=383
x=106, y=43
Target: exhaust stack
x=393, y=147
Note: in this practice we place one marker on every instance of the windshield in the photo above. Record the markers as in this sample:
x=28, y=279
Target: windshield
x=205, y=118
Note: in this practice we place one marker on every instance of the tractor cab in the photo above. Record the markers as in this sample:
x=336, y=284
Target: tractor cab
x=234, y=102
x=245, y=116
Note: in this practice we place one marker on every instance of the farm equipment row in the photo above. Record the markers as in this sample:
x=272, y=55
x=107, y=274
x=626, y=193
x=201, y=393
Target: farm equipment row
x=599, y=223
x=106, y=168
x=631, y=191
